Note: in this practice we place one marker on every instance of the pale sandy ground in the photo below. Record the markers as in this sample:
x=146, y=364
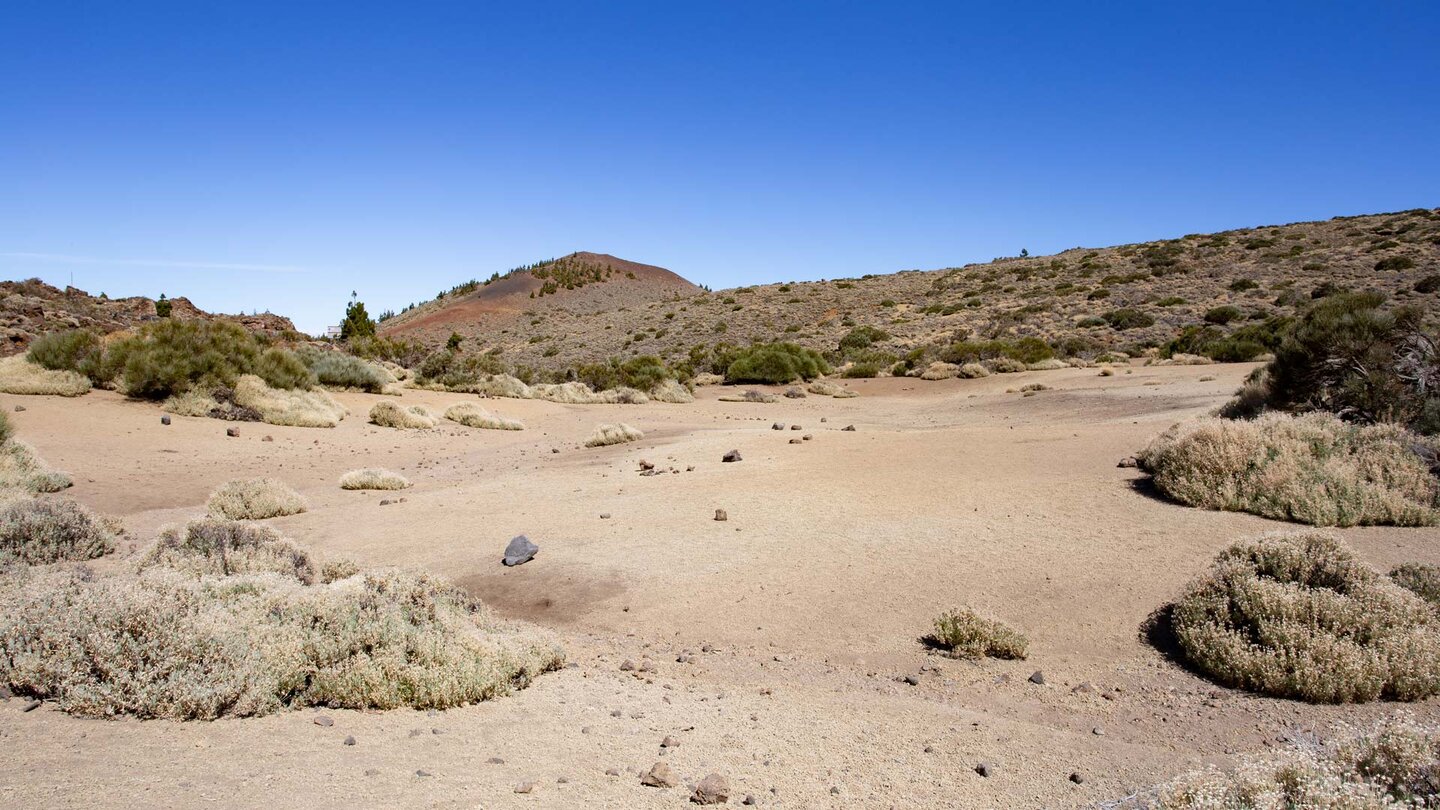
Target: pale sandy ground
x=836, y=556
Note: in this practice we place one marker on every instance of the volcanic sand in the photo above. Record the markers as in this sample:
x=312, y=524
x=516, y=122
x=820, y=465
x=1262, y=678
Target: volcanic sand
x=801, y=615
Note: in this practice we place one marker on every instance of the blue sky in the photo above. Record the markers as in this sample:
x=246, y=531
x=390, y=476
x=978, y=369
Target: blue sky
x=278, y=155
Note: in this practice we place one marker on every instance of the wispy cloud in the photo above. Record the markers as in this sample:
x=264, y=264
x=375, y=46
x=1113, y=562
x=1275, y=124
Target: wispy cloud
x=61, y=258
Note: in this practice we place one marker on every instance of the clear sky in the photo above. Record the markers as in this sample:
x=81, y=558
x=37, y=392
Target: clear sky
x=259, y=155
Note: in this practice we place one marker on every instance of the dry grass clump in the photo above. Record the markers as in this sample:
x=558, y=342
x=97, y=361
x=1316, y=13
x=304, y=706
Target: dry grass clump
x=20, y=376
x=1311, y=469
x=255, y=499
x=373, y=478
x=193, y=644
x=471, y=415
x=707, y=378
x=292, y=407
x=503, y=385
x=672, y=391
x=46, y=531
x=1421, y=580
x=191, y=402
x=578, y=393
x=939, y=370
x=1048, y=364
x=1299, y=616
x=973, y=371
x=1005, y=365
x=210, y=547
x=21, y=470
x=1390, y=766
x=967, y=634
x=1180, y=359
x=415, y=417
x=606, y=435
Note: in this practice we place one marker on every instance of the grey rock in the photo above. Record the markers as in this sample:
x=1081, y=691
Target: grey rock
x=31, y=706
x=525, y=787
x=749, y=799
x=1077, y=778
x=669, y=742
x=232, y=432
x=1128, y=461
x=627, y=665
x=1038, y=678
x=848, y=429
x=721, y=515
x=612, y=771
x=796, y=441
x=21, y=409
x=349, y=740
x=912, y=680
x=733, y=455
x=985, y=769
x=164, y=420
x=520, y=551
x=495, y=761
x=423, y=773
x=604, y=515
x=796, y=427
x=713, y=789
x=324, y=720
x=778, y=426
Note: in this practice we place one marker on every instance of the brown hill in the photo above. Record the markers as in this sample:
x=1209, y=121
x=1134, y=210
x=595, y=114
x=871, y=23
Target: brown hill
x=1070, y=299
x=579, y=284
x=32, y=307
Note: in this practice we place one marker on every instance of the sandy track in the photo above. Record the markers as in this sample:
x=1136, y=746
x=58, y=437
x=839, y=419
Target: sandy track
x=837, y=554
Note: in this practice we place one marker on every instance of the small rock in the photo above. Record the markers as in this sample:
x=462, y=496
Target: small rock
x=733, y=455
x=796, y=427
x=21, y=409
x=525, y=787
x=985, y=769
x=1077, y=778
x=232, y=432
x=912, y=680
x=349, y=740
x=604, y=515
x=660, y=775
x=807, y=437
x=324, y=720
x=1084, y=689
x=646, y=465
x=1038, y=678
x=749, y=799
x=267, y=438
x=646, y=665
x=713, y=789
x=848, y=429
x=627, y=665
x=1128, y=461
x=778, y=426
x=834, y=791
x=1098, y=731
x=612, y=771
x=824, y=419
x=929, y=749
x=721, y=515
x=669, y=742
x=386, y=502
x=520, y=550
x=495, y=761
x=796, y=441
x=164, y=420
x=422, y=773
x=794, y=392
x=31, y=706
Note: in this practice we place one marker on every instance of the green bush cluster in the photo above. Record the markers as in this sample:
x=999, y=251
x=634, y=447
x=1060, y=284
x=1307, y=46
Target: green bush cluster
x=774, y=363
x=642, y=373
x=73, y=350
x=1028, y=349
x=341, y=370
x=1127, y=318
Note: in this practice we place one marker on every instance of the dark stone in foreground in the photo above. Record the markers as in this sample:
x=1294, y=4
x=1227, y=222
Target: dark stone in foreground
x=1038, y=678
x=660, y=775
x=733, y=455
x=985, y=769
x=165, y=420
x=520, y=550
x=848, y=429
x=31, y=706
x=232, y=432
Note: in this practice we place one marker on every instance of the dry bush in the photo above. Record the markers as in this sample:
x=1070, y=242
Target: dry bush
x=939, y=370
x=415, y=417
x=1311, y=469
x=973, y=371
x=1421, y=580
x=966, y=634
x=46, y=531
x=707, y=378
x=192, y=402
x=373, y=478
x=20, y=376
x=578, y=393
x=1049, y=364
x=211, y=547
x=166, y=643
x=673, y=391
x=1106, y=371
x=1180, y=359
x=471, y=415
x=1005, y=365
x=606, y=435
x=1389, y=766
x=503, y=385
x=21, y=470
x=255, y=499
x=292, y=407
x=1298, y=615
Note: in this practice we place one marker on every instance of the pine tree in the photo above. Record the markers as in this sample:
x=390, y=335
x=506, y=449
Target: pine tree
x=357, y=321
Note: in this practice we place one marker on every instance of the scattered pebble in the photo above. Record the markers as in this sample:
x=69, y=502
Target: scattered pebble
x=721, y=515
x=324, y=720
x=349, y=740
x=985, y=769
x=733, y=455
x=660, y=775
x=1038, y=678
x=713, y=789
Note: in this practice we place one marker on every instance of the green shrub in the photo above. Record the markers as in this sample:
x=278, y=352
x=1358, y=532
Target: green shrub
x=280, y=368
x=774, y=363
x=1428, y=284
x=335, y=369
x=1392, y=263
x=170, y=356
x=1127, y=318
x=966, y=634
x=1170, y=301
x=862, y=370
x=641, y=373
x=1243, y=284
x=1299, y=616
x=862, y=337
x=78, y=350
x=1311, y=469
x=1351, y=356
x=1223, y=314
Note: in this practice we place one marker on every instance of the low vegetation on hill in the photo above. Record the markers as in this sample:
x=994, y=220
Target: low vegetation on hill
x=1299, y=616
x=255, y=499
x=966, y=634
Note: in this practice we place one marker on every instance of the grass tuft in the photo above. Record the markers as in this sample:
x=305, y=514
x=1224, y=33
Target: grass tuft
x=606, y=435
x=471, y=415
x=373, y=478
x=415, y=417
x=255, y=499
x=20, y=376
x=49, y=531
x=967, y=634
